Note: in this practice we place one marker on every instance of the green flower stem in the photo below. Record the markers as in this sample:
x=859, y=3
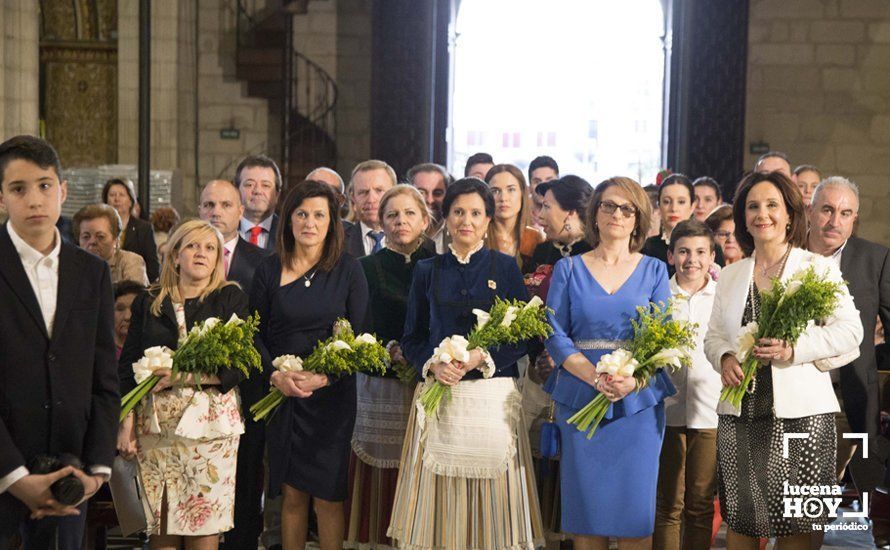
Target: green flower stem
x=129, y=401
x=432, y=397
x=268, y=404
x=588, y=418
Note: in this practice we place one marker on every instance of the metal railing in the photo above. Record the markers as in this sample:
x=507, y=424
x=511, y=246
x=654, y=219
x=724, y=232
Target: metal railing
x=308, y=94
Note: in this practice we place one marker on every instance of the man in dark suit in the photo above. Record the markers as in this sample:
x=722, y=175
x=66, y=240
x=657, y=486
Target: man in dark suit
x=60, y=384
x=370, y=180
x=220, y=204
x=866, y=268
x=259, y=181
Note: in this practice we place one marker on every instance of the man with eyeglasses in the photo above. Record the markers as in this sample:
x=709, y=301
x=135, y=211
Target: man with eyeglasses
x=865, y=266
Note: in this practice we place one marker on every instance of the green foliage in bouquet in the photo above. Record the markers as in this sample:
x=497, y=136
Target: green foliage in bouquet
x=227, y=344
x=785, y=311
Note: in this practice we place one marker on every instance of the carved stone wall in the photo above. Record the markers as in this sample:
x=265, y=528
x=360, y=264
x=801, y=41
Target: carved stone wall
x=78, y=61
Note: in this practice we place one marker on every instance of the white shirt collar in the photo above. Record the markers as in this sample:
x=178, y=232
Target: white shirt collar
x=28, y=254
x=265, y=224
x=230, y=245
x=709, y=288
x=466, y=258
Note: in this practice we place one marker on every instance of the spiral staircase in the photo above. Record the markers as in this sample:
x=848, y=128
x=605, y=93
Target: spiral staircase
x=301, y=94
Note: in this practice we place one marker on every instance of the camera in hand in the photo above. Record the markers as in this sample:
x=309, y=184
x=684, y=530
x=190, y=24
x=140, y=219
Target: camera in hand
x=68, y=490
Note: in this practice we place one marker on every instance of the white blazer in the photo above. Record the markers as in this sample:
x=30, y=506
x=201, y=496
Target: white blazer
x=800, y=388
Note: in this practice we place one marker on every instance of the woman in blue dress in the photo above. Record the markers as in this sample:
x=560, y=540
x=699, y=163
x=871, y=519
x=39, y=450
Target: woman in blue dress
x=466, y=480
x=608, y=482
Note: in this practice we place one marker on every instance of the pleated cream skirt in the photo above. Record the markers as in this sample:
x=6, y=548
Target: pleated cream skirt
x=500, y=511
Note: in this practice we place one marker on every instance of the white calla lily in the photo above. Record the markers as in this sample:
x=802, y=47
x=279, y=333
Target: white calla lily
x=288, y=363
x=338, y=345
x=365, y=338
x=671, y=357
x=156, y=357
x=746, y=340
x=453, y=348
x=235, y=320
x=620, y=362
x=536, y=301
x=509, y=316
x=482, y=318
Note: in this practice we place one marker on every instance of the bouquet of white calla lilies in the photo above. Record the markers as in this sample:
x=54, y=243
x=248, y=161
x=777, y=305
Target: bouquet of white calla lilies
x=786, y=309
x=342, y=354
x=507, y=322
x=658, y=342
x=208, y=347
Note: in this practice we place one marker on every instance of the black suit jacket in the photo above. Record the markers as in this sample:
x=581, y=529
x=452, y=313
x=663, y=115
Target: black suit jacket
x=866, y=268
x=352, y=233
x=60, y=393
x=141, y=240
x=244, y=261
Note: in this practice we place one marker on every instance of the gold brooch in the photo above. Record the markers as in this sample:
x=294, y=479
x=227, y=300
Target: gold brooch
x=492, y=285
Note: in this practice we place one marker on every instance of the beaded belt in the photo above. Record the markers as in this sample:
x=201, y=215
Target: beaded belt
x=602, y=343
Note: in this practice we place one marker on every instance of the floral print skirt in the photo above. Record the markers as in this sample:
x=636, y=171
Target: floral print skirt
x=197, y=475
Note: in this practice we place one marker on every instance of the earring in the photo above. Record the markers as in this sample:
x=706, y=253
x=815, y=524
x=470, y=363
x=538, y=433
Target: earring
x=788, y=228
x=567, y=228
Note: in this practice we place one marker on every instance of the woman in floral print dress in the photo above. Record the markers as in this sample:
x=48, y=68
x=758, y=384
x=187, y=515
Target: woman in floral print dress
x=185, y=436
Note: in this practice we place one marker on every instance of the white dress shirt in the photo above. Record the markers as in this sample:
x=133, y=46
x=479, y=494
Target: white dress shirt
x=263, y=237
x=367, y=240
x=698, y=388
x=43, y=274
x=230, y=248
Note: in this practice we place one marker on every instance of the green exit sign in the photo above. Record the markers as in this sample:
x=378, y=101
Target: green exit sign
x=229, y=133
x=758, y=147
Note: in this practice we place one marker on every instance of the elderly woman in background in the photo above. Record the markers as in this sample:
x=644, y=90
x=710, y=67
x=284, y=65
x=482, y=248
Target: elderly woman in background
x=510, y=232
x=300, y=292
x=163, y=220
x=721, y=223
x=124, y=294
x=187, y=457
x=137, y=235
x=97, y=228
x=465, y=479
x=791, y=391
x=384, y=401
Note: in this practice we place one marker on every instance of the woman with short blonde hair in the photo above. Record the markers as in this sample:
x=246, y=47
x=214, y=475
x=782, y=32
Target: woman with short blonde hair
x=187, y=429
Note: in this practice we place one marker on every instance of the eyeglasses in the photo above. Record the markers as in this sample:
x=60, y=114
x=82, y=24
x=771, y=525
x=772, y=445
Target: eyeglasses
x=724, y=234
x=627, y=210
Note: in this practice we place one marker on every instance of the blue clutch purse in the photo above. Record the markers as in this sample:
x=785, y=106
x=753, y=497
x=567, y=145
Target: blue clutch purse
x=550, y=435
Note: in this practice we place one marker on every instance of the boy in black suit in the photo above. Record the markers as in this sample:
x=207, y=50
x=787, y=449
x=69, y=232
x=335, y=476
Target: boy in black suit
x=60, y=388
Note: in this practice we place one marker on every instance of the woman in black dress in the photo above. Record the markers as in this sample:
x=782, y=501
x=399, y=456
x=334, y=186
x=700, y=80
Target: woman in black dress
x=299, y=293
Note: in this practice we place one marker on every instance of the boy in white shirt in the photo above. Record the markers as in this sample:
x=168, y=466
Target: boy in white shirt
x=687, y=478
